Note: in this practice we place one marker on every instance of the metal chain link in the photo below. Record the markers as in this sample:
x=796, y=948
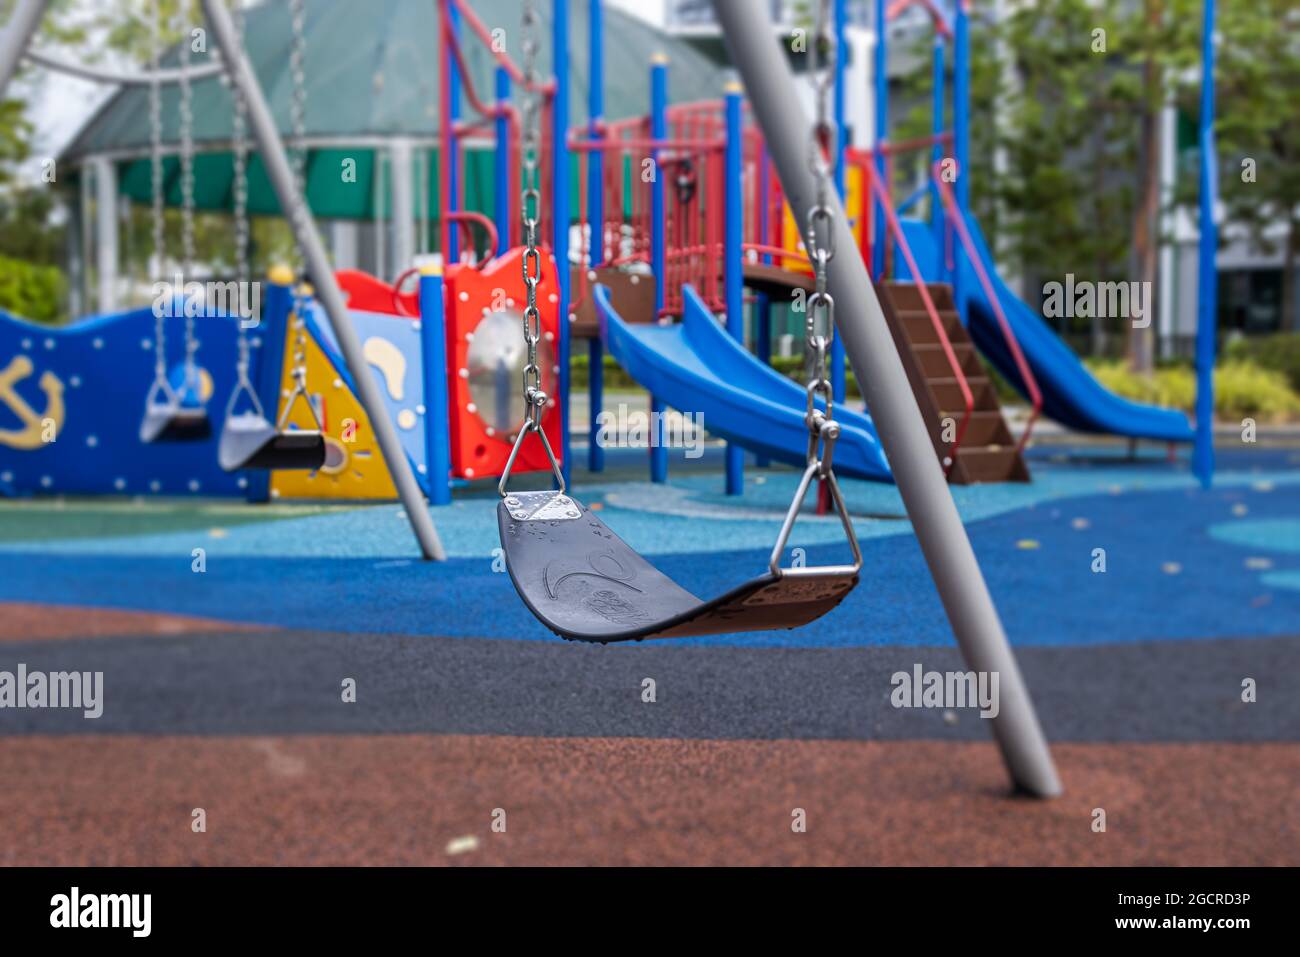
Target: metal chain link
x=534, y=397
x=239, y=137
x=187, y=194
x=156, y=187
x=298, y=97
x=820, y=240
x=298, y=125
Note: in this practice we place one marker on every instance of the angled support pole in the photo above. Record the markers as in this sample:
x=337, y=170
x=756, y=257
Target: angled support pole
x=322, y=276
x=17, y=36
x=752, y=42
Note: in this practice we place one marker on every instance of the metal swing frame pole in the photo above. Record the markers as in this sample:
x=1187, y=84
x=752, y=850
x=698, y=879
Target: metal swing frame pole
x=322, y=275
x=753, y=42
x=18, y=32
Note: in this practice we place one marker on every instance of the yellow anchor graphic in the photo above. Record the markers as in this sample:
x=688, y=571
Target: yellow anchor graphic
x=31, y=437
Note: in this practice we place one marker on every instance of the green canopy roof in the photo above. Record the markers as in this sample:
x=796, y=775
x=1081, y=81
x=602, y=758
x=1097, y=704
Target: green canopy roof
x=372, y=74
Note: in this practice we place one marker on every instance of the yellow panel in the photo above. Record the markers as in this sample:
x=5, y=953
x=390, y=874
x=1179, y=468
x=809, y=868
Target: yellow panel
x=792, y=239
x=792, y=235
x=354, y=467
x=853, y=208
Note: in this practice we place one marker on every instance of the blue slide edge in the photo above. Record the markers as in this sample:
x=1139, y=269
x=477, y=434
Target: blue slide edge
x=1071, y=395
x=740, y=398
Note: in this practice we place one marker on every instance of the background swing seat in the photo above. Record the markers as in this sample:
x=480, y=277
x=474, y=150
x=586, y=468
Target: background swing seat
x=251, y=441
x=585, y=583
x=173, y=422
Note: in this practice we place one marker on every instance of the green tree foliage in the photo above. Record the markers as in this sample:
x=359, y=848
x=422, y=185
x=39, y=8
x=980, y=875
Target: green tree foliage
x=1075, y=118
x=27, y=226
x=1258, y=127
x=32, y=291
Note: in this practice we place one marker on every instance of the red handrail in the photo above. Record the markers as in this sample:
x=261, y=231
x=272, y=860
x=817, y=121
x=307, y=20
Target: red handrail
x=468, y=218
x=502, y=58
x=399, y=300
x=891, y=219
x=936, y=16
x=764, y=249
x=1026, y=374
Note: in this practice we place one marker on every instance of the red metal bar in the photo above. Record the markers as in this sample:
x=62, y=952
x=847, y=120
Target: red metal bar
x=544, y=180
x=444, y=129
x=451, y=43
x=468, y=218
x=1026, y=374
x=586, y=236
x=647, y=143
x=896, y=147
x=485, y=37
x=891, y=220
x=940, y=21
x=764, y=249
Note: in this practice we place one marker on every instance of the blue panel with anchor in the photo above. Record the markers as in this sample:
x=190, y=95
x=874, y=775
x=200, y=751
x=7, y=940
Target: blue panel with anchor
x=72, y=397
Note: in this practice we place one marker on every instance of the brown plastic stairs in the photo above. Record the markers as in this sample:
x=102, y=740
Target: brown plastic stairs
x=987, y=452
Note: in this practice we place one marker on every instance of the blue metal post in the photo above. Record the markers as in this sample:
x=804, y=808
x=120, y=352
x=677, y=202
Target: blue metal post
x=658, y=131
x=437, y=413
x=560, y=201
x=961, y=106
x=937, y=80
x=501, y=167
x=453, y=167
x=841, y=143
x=961, y=142
x=595, y=223
x=762, y=302
x=734, y=202
x=1207, y=269
x=880, y=69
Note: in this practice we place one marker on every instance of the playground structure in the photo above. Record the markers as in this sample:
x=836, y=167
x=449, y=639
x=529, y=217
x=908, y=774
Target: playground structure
x=684, y=231
x=646, y=238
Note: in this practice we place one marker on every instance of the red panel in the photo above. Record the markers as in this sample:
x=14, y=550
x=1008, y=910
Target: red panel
x=472, y=295
x=363, y=291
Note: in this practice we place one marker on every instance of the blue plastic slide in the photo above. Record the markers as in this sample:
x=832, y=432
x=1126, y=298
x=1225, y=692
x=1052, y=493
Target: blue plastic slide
x=1071, y=396
x=694, y=366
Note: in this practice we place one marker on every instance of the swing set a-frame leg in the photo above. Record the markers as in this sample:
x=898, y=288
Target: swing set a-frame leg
x=752, y=41
x=326, y=286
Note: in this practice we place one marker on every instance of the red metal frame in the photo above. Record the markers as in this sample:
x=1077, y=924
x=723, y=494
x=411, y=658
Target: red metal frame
x=453, y=56
x=693, y=228
x=478, y=451
x=893, y=225
x=940, y=21
x=955, y=217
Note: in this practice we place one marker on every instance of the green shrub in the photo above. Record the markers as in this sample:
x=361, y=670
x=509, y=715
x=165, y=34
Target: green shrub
x=792, y=367
x=32, y=292
x=1241, y=388
x=1244, y=388
x=1280, y=352
x=614, y=378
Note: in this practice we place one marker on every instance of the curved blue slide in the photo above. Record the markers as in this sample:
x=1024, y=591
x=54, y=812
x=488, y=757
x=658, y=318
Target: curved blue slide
x=1071, y=396
x=695, y=366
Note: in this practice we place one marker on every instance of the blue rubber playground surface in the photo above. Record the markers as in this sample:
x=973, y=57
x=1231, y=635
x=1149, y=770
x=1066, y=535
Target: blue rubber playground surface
x=1180, y=562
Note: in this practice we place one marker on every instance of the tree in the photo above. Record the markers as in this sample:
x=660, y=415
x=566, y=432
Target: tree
x=1258, y=129
x=1067, y=134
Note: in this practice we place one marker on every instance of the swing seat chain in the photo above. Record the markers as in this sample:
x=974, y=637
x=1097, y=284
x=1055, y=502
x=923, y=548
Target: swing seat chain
x=535, y=397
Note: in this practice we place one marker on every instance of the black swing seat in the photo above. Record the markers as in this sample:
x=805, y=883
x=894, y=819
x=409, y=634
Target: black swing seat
x=250, y=441
x=172, y=422
x=585, y=583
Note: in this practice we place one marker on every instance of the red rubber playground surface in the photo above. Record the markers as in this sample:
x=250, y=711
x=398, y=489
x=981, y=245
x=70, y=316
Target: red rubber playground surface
x=236, y=711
